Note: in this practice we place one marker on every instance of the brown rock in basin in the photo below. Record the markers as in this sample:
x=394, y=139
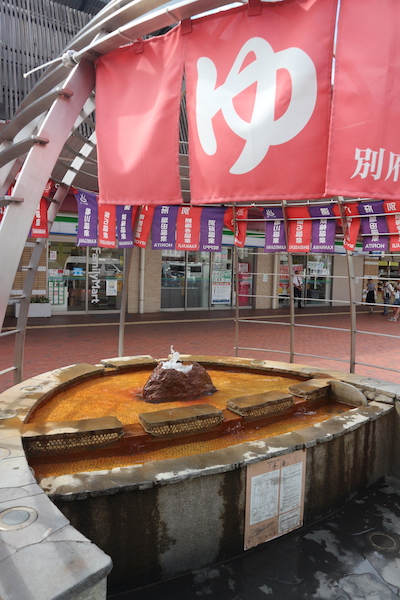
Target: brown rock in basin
x=167, y=385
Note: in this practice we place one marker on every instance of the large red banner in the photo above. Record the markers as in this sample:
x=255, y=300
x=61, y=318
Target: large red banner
x=258, y=90
x=364, y=158
x=138, y=90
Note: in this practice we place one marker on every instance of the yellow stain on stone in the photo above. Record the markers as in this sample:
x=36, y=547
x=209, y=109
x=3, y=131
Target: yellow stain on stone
x=118, y=396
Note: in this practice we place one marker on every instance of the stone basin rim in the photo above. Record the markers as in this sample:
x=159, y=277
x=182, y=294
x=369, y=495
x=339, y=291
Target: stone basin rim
x=162, y=472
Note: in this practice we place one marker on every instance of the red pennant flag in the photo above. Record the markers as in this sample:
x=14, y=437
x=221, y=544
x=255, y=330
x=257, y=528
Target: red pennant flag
x=258, y=99
x=49, y=189
x=300, y=226
x=351, y=224
x=364, y=155
x=107, y=223
x=392, y=208
x=39, y=227
x=138, y=90
x=144, y=226
x=188, y=228
x=241, y=224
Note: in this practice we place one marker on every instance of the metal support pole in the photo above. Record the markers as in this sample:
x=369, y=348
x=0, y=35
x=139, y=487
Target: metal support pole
x=236, y=280
x=124, y=301
x=19, y=345
x=35, y=173
x=142, y=267
x=290, y=267
x=352, y=292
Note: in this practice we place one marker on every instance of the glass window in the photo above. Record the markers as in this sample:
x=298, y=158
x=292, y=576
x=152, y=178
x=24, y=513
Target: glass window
x=316, y=270
x=84, y=279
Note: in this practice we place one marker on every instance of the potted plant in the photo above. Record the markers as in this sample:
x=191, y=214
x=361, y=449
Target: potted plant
x=39, y=307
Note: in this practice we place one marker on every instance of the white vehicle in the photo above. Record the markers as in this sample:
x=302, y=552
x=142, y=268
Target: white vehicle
x=108, y=266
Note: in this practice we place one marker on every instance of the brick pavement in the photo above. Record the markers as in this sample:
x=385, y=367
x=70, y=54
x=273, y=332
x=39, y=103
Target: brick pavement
x=61, y=341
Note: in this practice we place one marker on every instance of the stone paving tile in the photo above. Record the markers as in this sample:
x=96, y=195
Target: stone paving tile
x=62, y=341
x=352, y=555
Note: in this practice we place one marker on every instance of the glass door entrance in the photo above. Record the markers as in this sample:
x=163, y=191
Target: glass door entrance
x=316, y=270
x=195, y=280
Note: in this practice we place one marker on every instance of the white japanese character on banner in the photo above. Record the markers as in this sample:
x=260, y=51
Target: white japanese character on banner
x=263, y=130
x=369, y=162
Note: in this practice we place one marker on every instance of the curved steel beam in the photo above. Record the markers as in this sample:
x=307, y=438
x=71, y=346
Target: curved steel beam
x=35, y=173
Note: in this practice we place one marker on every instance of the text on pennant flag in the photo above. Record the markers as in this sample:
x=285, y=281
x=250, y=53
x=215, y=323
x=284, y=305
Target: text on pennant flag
x=126, y=217
x=143, y=228
x=107, y=226
x=87, y=218
x=300, y=226
x=374, y=226
x=188, y=228
x=163, y=227
x=211, y=227
x=323, y=229
x=275, y=235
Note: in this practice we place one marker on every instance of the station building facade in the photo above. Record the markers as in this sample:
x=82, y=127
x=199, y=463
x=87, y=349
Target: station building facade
x=88, y=280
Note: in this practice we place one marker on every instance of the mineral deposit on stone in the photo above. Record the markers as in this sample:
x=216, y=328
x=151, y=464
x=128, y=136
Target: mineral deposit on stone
x=169, y=384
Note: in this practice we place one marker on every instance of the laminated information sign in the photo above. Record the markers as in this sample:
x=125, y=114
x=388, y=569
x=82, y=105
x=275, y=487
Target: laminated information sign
x=274, y=498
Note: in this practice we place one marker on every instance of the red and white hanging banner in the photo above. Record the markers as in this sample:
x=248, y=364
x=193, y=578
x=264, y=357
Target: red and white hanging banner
x=143, y=229
x=258, y=100
x=188, y=228
x=364, y=158
x=241, y=224
x=40, y=227
x=392, y=208
x=107, y=223
x=300, y=226
x=138, y=90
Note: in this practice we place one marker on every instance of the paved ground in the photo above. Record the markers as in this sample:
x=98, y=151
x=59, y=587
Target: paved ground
x=352, y=555
x=60, y=341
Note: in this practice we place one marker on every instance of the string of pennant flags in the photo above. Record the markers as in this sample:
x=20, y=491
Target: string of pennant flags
x=297, y=229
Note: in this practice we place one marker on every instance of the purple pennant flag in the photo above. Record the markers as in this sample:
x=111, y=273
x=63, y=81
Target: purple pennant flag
x=211, y=225
x=323, y=229
x=124, y=226
x=87, y=218
x=163, y=228
x=275, y=237
x=374, y=228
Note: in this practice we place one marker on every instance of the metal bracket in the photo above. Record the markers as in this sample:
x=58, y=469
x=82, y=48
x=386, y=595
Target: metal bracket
x=20, y=148
x=6, y=200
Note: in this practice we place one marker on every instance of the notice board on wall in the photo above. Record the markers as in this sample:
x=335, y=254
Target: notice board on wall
x=274, y=498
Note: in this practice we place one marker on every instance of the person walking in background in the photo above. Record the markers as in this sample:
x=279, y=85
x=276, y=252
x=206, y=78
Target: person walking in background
x=298, y=288
x=396, y=303
x=371, y=294
x=387, y=293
